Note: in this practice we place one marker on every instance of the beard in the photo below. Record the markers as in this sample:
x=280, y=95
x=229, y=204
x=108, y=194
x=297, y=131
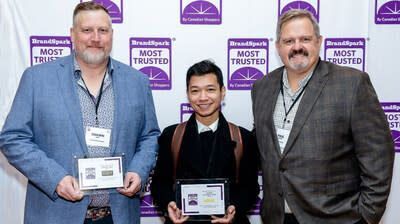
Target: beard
x=92, y=58
x=298, y=66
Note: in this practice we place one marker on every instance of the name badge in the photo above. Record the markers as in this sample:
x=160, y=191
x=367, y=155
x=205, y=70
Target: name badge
x=283, y=136
x=98, y=136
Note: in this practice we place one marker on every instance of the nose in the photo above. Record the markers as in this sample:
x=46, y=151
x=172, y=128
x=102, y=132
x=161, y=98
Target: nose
x=203, y=95
x=297, y=45
x=96, y=36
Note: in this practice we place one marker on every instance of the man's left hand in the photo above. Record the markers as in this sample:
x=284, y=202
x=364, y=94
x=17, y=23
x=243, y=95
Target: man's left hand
x=132, y=184
x=230, y=213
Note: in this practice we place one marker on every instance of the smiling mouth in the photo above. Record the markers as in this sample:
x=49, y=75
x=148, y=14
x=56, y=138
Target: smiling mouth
x=204, y=106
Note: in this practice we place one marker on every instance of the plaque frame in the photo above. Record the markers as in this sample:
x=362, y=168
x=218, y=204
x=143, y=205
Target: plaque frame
x=94, y=191
x=211, y=181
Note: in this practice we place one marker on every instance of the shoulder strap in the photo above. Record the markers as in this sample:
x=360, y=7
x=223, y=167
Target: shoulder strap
x=177, y=141
x=176, y=145
x=236, y=137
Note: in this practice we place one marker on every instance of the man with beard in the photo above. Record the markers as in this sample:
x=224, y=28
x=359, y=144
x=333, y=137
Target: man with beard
x=325, y=146
x=85, y=105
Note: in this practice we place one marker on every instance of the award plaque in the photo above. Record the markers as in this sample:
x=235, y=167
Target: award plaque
x=201, y=198
x=94, y=174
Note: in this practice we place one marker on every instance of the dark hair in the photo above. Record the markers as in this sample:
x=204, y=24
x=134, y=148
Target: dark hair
x=203, y=68
x=88, y=6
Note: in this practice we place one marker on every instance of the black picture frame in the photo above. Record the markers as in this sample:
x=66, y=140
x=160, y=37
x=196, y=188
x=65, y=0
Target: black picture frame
x=200, y=217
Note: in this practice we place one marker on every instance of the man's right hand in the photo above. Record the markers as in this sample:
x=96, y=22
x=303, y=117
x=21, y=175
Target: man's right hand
x=66, y=189
x=175, y=214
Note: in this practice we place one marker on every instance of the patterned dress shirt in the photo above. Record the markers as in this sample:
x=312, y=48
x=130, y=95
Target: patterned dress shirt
x=105, y=115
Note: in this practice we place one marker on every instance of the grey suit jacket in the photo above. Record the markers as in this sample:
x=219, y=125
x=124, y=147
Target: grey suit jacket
x=43, y=132
x=338, y=161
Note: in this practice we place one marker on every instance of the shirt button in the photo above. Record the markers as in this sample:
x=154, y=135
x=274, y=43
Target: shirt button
x=288, y=121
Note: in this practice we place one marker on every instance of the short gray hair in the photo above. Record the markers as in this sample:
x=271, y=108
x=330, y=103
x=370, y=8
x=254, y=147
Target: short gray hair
x=88, y=6
x=296, y=14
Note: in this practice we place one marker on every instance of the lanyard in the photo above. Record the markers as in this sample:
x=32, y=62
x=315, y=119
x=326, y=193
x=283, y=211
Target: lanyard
x=298, y=96
x=294, y=102
x=96, y=104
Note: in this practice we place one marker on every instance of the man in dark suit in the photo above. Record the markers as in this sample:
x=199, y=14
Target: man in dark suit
x=57, y=109
x=325, y=146
x=206, y=151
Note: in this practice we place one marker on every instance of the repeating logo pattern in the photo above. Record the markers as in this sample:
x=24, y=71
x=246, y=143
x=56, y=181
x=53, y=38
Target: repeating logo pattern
x=49, y=48
x=387, y=12
x=309, y=5
x=346, y=51
x=147, y=208
x=392, y=111
x=186, y=111
x=114, y=9
x=247, y=62
x=152, y=56
x=201, y=12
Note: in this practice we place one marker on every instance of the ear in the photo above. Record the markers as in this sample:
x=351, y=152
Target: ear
x=320, y=40
x=223, y=92
x=71, y=33
x=277, y=46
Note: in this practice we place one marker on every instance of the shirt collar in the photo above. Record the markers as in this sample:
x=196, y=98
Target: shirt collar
x=78, y=72
x=203, y=128
x=302, y=82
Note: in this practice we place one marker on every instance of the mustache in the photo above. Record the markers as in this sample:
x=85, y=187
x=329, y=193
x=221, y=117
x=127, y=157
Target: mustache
x=295, y=52
x=94, y=45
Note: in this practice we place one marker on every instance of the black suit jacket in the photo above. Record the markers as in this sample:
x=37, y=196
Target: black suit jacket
x=221, y=164
x=337, y=164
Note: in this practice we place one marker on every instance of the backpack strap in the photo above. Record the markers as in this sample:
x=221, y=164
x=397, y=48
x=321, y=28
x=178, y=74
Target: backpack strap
x=177, y=141
x=176, y=145
x=238, y=151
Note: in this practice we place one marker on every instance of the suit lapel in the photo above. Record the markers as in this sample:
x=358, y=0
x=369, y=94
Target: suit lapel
x=311, y=94
x=269, y=107
x=118, y=105
x=68, y=91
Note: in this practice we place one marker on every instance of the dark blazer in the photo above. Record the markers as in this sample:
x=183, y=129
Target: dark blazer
x=221, y=165
x=337, y=163
x=43, y=132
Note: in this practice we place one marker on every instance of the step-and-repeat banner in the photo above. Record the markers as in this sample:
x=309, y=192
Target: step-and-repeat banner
x=163, y=38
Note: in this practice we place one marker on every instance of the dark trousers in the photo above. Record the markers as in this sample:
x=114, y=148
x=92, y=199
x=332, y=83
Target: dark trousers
x=240, y=218
x=105, y=220
x=291, y=219
x=362, y=221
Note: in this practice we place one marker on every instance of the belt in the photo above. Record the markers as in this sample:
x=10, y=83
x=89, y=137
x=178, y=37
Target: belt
x=96, y=213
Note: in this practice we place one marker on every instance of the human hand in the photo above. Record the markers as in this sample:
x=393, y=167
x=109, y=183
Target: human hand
x=230, y=213
x=132, y=184
x=175, y=214
x=66, y=189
